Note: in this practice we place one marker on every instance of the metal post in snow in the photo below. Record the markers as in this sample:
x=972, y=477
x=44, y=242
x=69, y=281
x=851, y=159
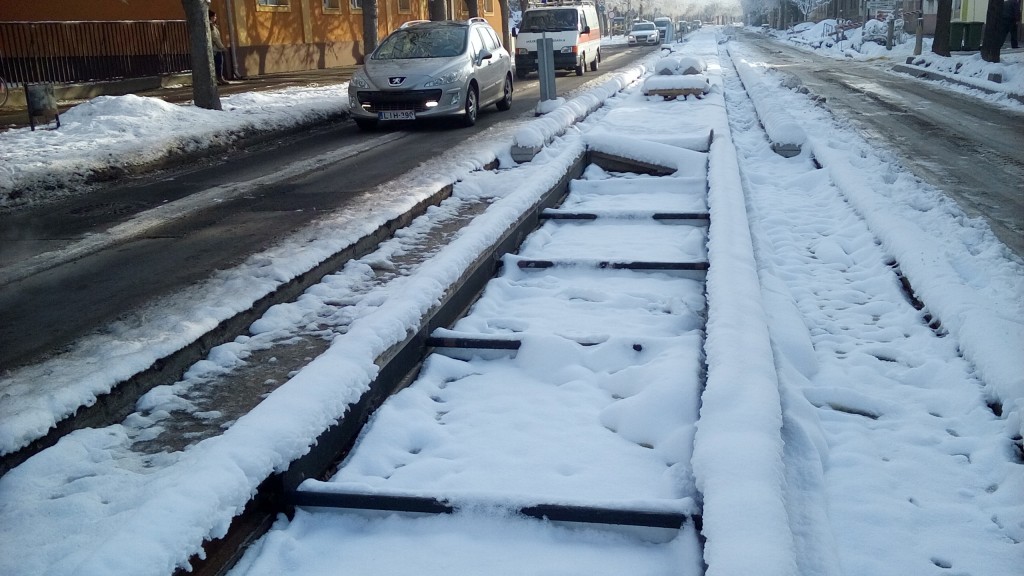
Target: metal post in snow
x=546, y=67
x=919, y=32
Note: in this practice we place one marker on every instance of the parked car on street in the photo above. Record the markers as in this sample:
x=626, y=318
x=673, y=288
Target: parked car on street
x=643, y=32
x=432, y=69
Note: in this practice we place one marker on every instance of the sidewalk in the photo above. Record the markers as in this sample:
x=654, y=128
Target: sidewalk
x=175, y=88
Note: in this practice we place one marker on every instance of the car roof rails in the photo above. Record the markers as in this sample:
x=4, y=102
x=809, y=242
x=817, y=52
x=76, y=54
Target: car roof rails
x=476, y=19
x=413, y=23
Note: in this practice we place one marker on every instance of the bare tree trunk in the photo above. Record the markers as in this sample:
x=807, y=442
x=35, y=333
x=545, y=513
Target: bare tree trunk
x=369, y=27
x=437, y=10
x=992, y=43
x=506, y=34
x=204, y=82
x=473, y=8
x=943, y=16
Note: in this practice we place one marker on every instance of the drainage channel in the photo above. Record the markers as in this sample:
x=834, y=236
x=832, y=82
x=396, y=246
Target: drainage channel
x=559, y=387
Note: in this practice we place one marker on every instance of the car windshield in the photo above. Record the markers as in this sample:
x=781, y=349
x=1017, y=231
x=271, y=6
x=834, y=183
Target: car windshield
x=414, y=42
x=549, y=20
x=643, y=26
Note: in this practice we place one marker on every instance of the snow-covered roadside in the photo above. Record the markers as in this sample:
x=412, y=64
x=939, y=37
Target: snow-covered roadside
x=115, y=134
x=872, y=398
x=966, y=73
x=910, y=226
x=144, y=490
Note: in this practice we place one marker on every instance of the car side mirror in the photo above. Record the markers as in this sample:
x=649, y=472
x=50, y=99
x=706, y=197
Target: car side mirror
x=515, y=32
x=484, y=54
x=586, y=29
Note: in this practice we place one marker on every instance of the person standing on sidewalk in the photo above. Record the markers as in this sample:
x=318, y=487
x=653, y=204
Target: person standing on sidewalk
x=219, y=49
x=1009, y=21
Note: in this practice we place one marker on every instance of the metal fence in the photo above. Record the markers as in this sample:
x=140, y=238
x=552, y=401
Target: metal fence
x=69, y=52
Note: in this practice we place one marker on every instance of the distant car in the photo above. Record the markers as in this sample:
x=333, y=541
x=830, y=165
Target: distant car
x=432, y=69
x=643, y=33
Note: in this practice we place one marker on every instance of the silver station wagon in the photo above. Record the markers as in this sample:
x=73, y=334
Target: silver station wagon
x=432, y=69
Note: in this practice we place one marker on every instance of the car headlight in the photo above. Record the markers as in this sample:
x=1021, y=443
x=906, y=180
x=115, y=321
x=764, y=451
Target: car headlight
x=449, y=78
x=359, y=81
x=632, y=37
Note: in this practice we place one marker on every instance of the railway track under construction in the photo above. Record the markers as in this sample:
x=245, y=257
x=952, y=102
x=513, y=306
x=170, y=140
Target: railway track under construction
x=504, y=382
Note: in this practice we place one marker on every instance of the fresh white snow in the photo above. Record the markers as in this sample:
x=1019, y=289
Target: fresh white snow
x=838, y=434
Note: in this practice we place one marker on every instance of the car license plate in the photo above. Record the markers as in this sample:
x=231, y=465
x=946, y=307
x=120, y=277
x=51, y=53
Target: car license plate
x=396, y=115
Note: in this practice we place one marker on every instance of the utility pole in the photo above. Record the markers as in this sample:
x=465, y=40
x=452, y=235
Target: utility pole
x=919, y=31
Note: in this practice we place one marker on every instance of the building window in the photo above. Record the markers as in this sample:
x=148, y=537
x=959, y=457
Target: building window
x=357, y=4
x=274, y=3
x=405, y=6
x=332, y=6
x=488, y=6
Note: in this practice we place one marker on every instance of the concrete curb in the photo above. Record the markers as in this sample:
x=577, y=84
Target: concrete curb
x=918, y=72
x=72, y=92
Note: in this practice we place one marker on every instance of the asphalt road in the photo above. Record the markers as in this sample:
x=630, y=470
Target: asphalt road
x=46, y=309
x=966, y=147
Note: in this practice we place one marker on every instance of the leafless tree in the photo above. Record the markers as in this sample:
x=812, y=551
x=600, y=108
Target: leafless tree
x=369, y=26
x=204, y=81
x=992, y=42
x=943, y=15
x=807, y=6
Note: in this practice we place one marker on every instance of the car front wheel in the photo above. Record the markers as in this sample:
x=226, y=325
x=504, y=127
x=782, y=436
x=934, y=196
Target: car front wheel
x=471, y=108
x=581, y=65
x=506, y=102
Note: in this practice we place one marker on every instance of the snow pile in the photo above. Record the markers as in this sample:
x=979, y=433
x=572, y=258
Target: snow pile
x=785, y=133
x=970, y=69
x=540, y=131
x=676, y=64
x=678, y=75
x=976, y=71
x=687, y=163
x=110, y=136
x=665, y=85
x=737, y=458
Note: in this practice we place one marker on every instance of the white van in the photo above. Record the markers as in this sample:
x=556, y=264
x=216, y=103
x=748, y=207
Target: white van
x=574, y=29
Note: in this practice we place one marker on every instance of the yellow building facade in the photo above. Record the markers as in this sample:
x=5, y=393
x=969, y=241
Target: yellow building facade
x=263, y=36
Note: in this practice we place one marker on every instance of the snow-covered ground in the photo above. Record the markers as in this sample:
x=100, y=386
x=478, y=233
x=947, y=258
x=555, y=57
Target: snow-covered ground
x=964, y=71
x=838, y=434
